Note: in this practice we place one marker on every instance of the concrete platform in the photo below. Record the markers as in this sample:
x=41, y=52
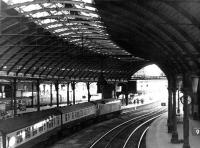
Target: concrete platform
x=158, y=136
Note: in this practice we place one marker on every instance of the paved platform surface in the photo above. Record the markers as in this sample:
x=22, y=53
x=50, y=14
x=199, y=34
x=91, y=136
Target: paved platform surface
x=134, y=106
x=158, y=136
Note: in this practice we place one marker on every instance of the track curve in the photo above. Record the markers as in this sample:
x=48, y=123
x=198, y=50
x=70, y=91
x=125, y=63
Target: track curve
x=127, y=133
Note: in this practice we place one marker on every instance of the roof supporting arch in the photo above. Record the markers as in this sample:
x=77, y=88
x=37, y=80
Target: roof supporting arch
x=73, y=39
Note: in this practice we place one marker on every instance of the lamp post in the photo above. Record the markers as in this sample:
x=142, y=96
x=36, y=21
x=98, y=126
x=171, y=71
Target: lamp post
x=73, y=85
x=68, y=103
x=51, y=95
x=14, y=96
x=38, y=94
x=88, y=89
x=32, y=98
x=57, y=92
x=179, y=85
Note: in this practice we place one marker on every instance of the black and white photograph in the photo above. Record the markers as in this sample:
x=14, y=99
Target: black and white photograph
x=99, y=73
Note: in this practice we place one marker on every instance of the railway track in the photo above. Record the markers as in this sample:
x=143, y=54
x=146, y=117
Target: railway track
x=129, y=133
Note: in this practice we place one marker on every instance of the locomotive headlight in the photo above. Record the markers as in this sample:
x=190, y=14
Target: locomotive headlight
x=12, y=141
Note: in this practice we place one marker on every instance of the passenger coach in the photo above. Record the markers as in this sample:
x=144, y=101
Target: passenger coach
x=29, y=129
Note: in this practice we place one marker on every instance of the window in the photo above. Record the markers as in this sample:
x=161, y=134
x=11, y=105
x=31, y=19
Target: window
x=54, y=122
x=34, y=131
x=81, y=113
x=27, y=133
x=19, y=137
x=76, y=114
x=41, y=129
x=52, y=15
x=66, y=117
x=58, y=120
x=72, y=115
x=85, y=111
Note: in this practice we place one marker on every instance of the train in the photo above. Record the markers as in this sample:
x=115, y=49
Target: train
x=28, y=129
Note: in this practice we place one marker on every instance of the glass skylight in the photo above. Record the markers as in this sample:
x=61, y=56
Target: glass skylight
x=73, y=20
x=55, y=25
x=31, y=7
x=90, y=8
x=11, y=2
x=40, y=14
x=47, y=21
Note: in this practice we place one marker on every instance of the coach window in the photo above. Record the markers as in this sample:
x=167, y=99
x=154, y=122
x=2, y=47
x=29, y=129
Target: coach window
x=72, y=115
x=58, y=120
x=81, y=112
x=66, y=115
x=69, y=116
x=11, y=141
x=41, y=129
x=76, y=114
x=90, y=110
x=27, y=132
x=54, y=122
x=84, y=112
x=19, y=137
x=51, y=123
x=44, y=125
x=34, y=131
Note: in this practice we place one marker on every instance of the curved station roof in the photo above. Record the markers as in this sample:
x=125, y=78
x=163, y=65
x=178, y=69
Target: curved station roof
x=163, y=31
x=81, y=39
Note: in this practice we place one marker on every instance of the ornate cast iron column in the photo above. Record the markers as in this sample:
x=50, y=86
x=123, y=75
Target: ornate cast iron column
x=169, y=120
x=186, y=85
x=174, y=138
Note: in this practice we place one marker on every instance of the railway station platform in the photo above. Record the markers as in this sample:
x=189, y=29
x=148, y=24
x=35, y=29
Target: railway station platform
x=158, y=136
x=132, y=107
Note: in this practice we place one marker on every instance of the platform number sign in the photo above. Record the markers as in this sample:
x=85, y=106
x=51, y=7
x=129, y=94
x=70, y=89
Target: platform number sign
x=196, y=131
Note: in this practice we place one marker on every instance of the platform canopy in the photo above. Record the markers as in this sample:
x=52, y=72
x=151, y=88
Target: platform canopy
x=82, y=39
x=166, y=32
x=59, y=39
